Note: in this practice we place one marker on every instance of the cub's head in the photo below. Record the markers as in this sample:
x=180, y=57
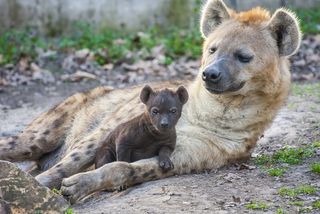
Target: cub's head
x=246, y=51
x=164, y=107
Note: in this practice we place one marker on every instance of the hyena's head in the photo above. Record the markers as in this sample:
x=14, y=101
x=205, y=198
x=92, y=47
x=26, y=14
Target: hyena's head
x=164, y=107
x=245, y=52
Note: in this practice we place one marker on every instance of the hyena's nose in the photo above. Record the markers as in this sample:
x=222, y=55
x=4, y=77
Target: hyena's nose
x=211, y=75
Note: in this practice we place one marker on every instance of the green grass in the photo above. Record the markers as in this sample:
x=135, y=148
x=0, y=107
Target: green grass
x=315, y=167
x=293, y=155
x=296, y=203
x=309, y=19
x=69, y=211
x=316, y=204
x=276, y=172
x=290, y=156
x=280, y=211
x=56, y=191
x=311, y=90
x=257, y=205
x=300, y=190
x=316, y=144
x=108, y=46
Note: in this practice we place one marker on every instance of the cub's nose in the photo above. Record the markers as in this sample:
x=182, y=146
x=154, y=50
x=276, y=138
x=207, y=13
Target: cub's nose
x=211, y=75
x=164, y=124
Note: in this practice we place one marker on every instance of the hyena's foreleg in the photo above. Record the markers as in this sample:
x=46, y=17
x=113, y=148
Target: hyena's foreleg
x=77, y=159
x=187, y=157
x=45, y=133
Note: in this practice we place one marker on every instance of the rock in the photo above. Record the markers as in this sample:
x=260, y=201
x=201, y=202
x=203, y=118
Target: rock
x=34, y=67
x=301, y=62
x=3, y=82
x=78, y=76
x=130, y=67
x=43, y=75
x=82, y=54
x=9, y=66
x=108, y=66
x=4, y=206
x=25, y=195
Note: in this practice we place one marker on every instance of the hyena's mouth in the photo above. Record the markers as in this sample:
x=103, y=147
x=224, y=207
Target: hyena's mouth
x=220, y=90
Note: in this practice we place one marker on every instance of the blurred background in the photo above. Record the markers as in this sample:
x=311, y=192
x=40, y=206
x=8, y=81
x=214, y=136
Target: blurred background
x=58, y=47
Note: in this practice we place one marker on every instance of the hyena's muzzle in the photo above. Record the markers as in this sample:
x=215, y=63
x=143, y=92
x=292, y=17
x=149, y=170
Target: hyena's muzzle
x=223, y=74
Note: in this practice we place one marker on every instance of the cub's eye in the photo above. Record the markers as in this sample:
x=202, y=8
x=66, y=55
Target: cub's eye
x=173, y=111
x=243, y=58
x=155, y=111
x=212, y=50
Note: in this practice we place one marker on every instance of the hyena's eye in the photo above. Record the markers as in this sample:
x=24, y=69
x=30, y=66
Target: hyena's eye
x=243, y=58
x=212, y=50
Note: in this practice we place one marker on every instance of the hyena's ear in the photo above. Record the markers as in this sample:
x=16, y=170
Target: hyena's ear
x=182, y=94
x=214, y=13
x=146, y=93
x=285, y=30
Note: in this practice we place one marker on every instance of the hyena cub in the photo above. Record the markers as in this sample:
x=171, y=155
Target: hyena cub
x=149, y=134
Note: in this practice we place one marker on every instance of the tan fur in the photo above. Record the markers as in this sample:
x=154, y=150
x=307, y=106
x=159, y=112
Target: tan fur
x=214, y=129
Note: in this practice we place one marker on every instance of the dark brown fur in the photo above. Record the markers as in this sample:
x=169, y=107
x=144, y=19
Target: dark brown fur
x=149, y=134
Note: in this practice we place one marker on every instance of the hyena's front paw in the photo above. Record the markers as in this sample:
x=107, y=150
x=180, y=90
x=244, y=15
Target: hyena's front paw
x=48, y=181
x=78, y=186
x=166, y=164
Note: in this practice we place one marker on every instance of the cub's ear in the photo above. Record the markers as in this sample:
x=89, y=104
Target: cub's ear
x=145, y=93
x=285, y=30
x=182, y=94
x=214, y=13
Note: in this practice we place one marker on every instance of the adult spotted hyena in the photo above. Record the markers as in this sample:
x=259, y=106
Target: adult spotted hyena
x=243, y=81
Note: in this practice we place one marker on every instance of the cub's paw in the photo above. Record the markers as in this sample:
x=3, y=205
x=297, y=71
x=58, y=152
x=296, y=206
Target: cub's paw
x=166, y=164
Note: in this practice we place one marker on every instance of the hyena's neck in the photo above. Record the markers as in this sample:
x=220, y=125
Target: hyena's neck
x=234, y=118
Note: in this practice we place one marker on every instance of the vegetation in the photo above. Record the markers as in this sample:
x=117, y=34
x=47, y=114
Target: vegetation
x=69, y=211
x=309, y=19
x=280, y=211
x=300, y=190
x=316, y=204
x=108, y=46
x=257, y=206
x=315, y=167
x=111, y=46
x=310, y=90
x=276, y=172
x=287, y=155
x=296, y=203
x=56, y=191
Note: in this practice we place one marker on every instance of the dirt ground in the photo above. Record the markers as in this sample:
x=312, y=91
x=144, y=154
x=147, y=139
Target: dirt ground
x=227, y=190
